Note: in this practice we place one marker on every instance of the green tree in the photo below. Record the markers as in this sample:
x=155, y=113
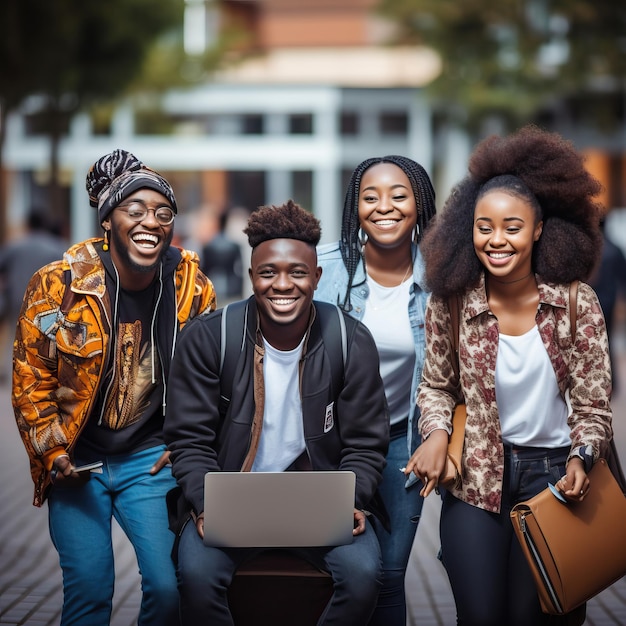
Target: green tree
x=514, y=58
x=73, y=54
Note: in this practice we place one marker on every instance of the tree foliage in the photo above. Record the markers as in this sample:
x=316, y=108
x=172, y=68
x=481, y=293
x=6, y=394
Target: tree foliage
x=514, y=57
x=89, y=49
x=72, y=54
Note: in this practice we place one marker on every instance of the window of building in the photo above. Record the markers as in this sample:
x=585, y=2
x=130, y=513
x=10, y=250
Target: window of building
x=349, y=123
x=154, y=122
x=246, y=189
x=252, y=124
x=394, y=123
x=301, y=124
x=38, y=123
x=302, y=188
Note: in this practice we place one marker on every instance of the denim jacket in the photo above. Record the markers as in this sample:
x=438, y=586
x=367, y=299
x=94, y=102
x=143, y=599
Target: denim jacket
x=332, y=288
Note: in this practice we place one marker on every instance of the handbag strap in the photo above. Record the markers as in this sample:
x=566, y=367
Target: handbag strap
x=454, y=304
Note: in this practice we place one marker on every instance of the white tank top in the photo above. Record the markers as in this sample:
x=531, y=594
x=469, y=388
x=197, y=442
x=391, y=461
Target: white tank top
x=387, y=318
x=532, y=411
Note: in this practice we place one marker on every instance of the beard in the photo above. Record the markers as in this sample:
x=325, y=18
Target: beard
x=122, y=251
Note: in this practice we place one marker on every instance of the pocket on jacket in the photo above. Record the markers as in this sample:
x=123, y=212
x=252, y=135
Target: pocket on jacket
x=73, y=338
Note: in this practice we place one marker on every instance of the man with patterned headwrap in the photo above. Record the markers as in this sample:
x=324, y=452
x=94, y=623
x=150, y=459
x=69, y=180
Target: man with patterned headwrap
x=94, y=342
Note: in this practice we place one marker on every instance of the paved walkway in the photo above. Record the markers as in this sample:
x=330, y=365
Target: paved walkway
x=30, y=578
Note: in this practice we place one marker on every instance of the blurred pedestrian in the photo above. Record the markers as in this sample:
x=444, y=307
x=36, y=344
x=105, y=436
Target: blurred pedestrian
x=609, y=281
x=220, y=260
x=93, y=349
x=19, y=260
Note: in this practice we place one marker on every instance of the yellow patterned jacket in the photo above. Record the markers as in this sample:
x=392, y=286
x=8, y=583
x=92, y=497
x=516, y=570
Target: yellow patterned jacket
x=61, y=344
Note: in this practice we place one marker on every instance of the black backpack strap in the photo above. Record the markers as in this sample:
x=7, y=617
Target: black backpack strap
x=334, y=335
x=233, y=334
x=233, y=337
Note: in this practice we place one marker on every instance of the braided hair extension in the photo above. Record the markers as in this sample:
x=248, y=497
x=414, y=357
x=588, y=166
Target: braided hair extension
x=424, y=201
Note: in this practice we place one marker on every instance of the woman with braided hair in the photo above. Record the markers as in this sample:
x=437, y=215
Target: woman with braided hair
x=375, y=273
x=513, y=236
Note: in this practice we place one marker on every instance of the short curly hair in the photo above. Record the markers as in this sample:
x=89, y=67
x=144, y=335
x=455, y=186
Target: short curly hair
x=286, y=221
x=349, y=244
x=551, y=170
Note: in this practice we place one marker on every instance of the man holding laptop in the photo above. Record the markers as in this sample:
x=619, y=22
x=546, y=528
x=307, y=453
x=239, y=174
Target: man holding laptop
x=288, y=411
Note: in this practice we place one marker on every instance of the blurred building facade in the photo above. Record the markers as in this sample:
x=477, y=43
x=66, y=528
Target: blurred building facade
x=318, y=90
x=316, y=95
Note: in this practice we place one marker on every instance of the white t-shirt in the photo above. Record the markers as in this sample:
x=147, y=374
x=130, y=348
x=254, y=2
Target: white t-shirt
x=532, y=411
x=387, y=318
x=282, y=434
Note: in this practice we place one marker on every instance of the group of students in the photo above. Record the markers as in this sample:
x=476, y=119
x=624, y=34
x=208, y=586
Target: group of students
x=117, y=359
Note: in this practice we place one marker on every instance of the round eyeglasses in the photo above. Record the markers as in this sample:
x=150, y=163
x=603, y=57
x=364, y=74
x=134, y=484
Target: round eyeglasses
x=138, y=212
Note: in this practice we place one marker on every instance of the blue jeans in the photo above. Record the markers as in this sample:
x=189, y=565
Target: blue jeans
x=490, y=579
x=405, y=508
x=205, y=574
x=80, y=527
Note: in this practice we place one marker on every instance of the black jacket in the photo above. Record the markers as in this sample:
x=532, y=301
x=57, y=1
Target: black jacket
x=202, y=438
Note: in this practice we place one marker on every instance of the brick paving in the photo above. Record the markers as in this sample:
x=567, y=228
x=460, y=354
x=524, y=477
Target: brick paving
x=30, y=577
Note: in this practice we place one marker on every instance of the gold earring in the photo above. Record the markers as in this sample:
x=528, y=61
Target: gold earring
x=105, y=245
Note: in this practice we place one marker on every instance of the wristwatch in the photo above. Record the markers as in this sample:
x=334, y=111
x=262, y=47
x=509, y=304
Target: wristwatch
x=585, y=454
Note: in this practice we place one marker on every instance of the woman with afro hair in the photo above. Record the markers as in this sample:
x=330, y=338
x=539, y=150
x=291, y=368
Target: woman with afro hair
x=512, y=237
x=375, y=273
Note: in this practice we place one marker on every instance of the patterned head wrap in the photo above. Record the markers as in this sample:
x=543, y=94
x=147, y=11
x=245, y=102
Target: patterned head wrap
x=115, y=176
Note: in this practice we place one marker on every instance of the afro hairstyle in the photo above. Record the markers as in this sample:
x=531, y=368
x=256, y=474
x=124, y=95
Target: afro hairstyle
x=551, y=169
x=286, y=221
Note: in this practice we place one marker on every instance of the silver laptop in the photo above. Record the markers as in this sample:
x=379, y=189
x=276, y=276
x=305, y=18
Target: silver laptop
x=278, y=509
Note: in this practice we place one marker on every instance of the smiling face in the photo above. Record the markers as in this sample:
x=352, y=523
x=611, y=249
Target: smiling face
x=137, y=247
x=505, y=231
x=387, y=209
x=284, y=275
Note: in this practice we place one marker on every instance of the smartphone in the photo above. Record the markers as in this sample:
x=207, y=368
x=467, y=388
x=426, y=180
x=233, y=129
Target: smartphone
x=90, y=467
x=556, y=493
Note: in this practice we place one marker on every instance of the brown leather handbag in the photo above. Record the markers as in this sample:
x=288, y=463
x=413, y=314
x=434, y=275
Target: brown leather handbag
x=577, y=549
x=574, y=549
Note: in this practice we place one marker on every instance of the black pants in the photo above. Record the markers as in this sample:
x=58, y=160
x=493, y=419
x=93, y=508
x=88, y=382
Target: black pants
x=490, y=578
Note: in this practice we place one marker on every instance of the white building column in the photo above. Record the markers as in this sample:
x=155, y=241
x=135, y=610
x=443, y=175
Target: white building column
x=326, y=182
x=456, y=153
x=327, y=176
x=278, y=186
x=420, y=138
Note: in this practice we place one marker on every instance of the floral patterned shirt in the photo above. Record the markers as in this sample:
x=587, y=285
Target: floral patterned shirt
x=582, y=370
